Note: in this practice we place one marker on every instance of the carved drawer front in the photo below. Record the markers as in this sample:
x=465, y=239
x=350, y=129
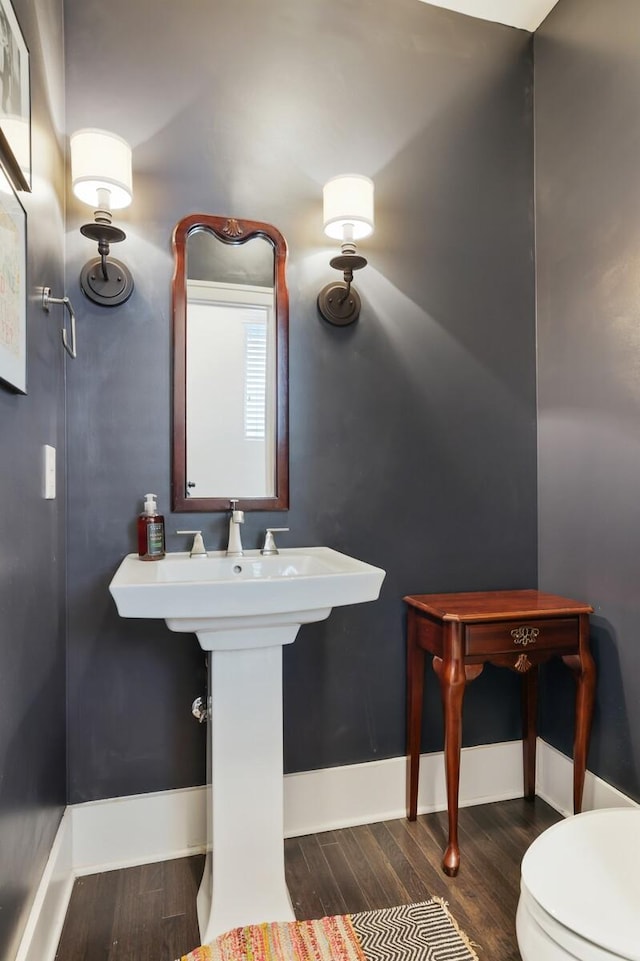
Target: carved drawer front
x=508, y=636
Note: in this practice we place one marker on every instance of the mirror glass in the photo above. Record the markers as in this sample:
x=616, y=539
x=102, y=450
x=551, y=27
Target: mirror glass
x=230, y=366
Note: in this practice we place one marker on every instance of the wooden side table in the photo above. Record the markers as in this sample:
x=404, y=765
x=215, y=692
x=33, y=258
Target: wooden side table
x=514, y=629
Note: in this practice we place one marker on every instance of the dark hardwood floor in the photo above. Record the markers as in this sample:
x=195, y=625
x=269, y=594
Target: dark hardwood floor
x=147, y=913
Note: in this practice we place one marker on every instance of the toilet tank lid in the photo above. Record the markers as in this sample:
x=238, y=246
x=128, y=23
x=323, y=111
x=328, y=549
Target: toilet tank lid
x=585, y=872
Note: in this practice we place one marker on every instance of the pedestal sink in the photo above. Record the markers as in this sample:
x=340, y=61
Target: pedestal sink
x=243, y=610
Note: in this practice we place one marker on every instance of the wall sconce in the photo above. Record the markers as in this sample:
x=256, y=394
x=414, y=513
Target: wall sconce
x=101, y=177
x=348, y=216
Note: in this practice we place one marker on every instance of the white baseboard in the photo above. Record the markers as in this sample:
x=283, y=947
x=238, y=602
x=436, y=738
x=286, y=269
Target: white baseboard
x=554, y=784
x=120, y=832
x=341, y=797
x=46, y=918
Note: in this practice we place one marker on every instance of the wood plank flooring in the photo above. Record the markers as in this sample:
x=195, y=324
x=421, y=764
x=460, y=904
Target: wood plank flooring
x=147, y=913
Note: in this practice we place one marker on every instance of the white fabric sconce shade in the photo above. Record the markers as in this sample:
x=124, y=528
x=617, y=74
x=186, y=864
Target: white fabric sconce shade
x=101, y=177
x=348, y=217
x=101, y=161
x=348, y=205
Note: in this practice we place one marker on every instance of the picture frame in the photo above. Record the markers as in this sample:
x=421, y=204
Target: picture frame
x=13, y=288
x=15, y=99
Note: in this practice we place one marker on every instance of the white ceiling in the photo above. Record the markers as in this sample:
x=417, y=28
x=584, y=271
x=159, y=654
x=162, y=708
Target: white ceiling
x=525, y=14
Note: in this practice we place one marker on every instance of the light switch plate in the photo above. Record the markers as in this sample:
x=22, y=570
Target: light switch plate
x=49, y=472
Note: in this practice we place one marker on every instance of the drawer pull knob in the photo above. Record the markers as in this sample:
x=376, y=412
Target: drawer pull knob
x=523, y=664
x=524, y=635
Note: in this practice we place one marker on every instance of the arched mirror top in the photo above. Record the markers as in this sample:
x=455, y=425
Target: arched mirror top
x=230, y=365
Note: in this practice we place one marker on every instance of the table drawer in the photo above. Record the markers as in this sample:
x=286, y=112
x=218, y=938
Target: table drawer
x=506, y=636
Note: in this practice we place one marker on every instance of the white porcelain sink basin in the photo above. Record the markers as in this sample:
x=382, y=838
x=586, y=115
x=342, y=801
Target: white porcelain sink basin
x=219, y=593
x=243, y=610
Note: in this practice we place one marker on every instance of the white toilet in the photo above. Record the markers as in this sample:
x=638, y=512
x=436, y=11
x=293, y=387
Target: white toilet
x=580, y=890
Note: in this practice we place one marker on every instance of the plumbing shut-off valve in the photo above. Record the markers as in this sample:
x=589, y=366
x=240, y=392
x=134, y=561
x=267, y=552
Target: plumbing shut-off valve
x=199, y=710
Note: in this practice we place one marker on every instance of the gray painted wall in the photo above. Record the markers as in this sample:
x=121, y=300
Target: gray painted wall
x=32, y=668
x=588, y=233
x=412, y=433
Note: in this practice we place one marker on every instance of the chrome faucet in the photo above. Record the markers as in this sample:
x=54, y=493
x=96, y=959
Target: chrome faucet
x=234, y=547
x=197, y=548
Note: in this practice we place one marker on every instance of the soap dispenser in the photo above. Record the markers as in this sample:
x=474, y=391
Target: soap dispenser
x=151, y=531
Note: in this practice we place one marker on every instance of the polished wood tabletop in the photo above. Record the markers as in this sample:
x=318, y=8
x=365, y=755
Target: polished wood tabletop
x=515, y=629
x=496, y=605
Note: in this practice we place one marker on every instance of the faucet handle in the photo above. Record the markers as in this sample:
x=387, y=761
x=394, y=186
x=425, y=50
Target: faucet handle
x=236, y=516
x=197, y=548
x=270, y=541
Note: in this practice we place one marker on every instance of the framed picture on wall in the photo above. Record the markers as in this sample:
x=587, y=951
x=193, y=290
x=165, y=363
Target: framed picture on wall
x=13, y=288
x=15, y=99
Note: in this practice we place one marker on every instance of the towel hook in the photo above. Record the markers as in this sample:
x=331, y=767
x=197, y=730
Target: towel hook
x=69, y=346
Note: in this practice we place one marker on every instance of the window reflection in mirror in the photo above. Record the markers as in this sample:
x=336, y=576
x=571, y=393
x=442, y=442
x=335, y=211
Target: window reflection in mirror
x=232, y=452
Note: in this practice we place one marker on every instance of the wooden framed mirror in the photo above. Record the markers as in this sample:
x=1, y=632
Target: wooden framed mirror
x=230, y=366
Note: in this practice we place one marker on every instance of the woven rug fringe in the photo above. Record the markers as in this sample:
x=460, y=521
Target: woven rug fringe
x=464, y=937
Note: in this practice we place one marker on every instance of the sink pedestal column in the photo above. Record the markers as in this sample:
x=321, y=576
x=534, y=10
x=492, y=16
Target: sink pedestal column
x=244, y=880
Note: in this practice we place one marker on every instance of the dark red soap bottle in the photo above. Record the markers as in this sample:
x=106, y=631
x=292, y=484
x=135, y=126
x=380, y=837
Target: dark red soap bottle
x=151, y=531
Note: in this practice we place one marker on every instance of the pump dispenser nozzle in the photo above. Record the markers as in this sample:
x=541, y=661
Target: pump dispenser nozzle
x=151, y=504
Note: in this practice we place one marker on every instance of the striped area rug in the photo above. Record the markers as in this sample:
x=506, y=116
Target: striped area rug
x=411, y=932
